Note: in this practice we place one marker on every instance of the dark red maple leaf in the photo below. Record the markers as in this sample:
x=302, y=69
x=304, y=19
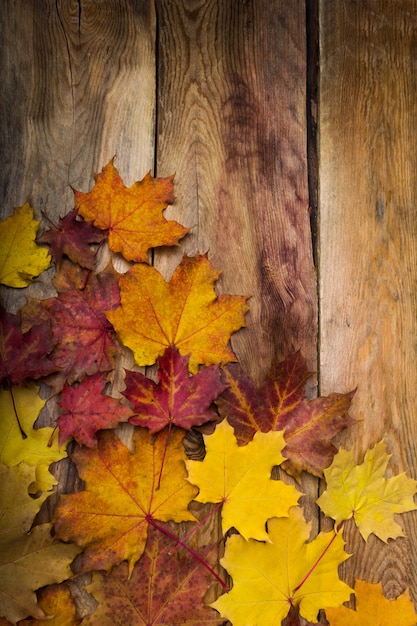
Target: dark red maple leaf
x=72, y=238
x=280, y=404
x=88, y=410
x=85, y=340
x=178, y=398
x=24, y=355
x=165, y=587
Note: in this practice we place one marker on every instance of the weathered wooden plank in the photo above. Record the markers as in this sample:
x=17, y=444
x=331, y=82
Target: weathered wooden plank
x=368, y=245
x=78, y=88
x=231, y=124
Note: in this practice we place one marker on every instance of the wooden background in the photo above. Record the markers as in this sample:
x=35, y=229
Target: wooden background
x=292, y=129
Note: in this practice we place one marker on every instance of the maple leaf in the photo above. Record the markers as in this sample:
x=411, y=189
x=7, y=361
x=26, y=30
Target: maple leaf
x=87, y=410
x=24, y=355
x=269, y=578
x=111, y=517
x=163, y=589
x=72, y=238
x=28, y=562
x=362, y=492
x=38, y=448
x=279, y=404
x=17, y=508
x=20, y=258
x=178, y=398
x=373, y=608
x=185, y=313
x=132, y=215
x=58, y=606
x=85, y=341
x=240, y=479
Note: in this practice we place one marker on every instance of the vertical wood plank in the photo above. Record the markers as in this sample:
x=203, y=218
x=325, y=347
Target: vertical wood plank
x=232, y=125
x=368, y=245
x=78, y=88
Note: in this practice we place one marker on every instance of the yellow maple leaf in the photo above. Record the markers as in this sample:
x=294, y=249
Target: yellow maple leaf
x=37, y=449
x=132, y=215
x=361, y=492
x=17, y=508
x=373, y=608
x=21, y=259
x=269, y=578
x=240, y=478
x=185, y=312
x=29, y=558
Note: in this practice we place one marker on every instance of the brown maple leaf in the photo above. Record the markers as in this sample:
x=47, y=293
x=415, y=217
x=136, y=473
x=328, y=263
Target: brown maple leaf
x=87, y=410
x=280, y=404
x=131, y=215
x=178, y=398
x=110, y=518
x=72, y=238
x=165, y=587
x=85, y=340
x=24, y=355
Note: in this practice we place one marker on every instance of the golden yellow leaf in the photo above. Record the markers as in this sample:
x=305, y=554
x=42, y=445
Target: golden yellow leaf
x=185, y=313
x=269, y=578
x=361, y=492
x=21, y=259
x=373, y=608
x=38, y=449
x=240, y=478
x=17, y=508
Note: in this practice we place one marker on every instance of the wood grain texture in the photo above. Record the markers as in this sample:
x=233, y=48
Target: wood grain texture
x=79, y=88
x=368, y=245
x=231, y=124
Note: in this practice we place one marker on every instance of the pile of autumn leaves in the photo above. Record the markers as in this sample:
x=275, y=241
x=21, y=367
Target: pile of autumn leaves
x=123, y=526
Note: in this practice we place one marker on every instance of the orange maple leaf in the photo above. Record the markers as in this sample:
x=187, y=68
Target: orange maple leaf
x=132, y=215
x=110, y=518
x=185, y=313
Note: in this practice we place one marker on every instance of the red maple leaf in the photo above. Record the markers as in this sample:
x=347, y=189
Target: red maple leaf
x=85, y=340
x=72, y=237
x=165, y=587
x=178, y=398
x=88, y=410
x=24, y=355
x=280, y=404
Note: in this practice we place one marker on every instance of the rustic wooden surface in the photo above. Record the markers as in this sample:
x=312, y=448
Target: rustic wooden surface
x=216, y=92
x=368, y=245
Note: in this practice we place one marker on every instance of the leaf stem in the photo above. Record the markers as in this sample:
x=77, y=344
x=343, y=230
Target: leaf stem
x=166, y=532
x=311, y=570
x=48, y=219
x=201, y=522
x=22, y=432
x=163, y=456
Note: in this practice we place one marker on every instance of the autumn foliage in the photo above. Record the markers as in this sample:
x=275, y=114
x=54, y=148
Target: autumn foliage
x=135, y=522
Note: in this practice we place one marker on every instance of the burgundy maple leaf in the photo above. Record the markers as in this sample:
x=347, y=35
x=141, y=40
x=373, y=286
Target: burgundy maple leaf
x=87, y=409
x=178, y=398
x=73, y=237
x=24, y=355
x=85, y=340
x=280, y=404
